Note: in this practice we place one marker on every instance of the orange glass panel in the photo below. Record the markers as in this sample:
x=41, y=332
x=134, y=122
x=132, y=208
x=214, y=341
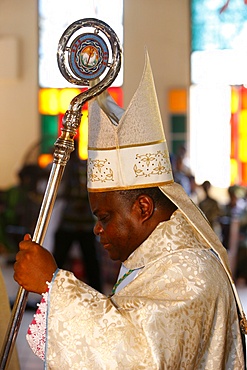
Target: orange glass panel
x=117, y=95
x=177, y=101
x=244, y=174
x=234, y=134
x=44, y=160
x=244, y=97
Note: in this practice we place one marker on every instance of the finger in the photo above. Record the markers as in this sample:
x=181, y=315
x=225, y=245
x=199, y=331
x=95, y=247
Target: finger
x=18, y=256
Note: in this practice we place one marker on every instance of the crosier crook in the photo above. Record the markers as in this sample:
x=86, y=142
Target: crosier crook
x=79, y=74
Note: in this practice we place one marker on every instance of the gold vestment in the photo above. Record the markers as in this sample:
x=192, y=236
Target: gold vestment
x=178, y=313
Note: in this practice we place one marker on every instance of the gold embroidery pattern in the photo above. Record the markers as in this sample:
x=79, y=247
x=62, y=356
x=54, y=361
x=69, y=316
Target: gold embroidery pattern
x=99, y=170
x=152, y=164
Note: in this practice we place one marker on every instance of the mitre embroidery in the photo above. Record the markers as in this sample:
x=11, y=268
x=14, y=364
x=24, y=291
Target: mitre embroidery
x=152, y=164
x=99, y=170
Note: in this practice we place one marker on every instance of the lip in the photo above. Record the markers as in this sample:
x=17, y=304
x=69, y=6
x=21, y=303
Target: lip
x=106, y=246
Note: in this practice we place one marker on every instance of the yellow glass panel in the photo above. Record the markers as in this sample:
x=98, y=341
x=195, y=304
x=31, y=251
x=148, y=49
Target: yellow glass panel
x=242, y=126
x=83, y=135
x=65, y=97
x=177, y=101
x=49, y=101
x=234, y=171
x=234, y=100
x=242, y=149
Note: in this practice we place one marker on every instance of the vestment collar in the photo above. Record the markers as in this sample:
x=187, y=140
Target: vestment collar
x=167, y=237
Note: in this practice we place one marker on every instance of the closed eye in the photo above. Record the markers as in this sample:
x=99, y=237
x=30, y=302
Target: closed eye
x=102, y=218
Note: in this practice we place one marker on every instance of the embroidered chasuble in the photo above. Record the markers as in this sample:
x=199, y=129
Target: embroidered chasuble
x=173, y=315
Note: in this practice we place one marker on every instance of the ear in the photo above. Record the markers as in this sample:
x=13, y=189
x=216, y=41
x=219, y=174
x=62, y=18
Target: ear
x=145, y=206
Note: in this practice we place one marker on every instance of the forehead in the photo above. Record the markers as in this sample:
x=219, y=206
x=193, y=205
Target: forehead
x=104, y=200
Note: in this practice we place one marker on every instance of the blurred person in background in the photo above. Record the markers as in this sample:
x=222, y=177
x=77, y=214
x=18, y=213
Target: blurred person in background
x=209, y=206
x=233, y=221
x=76, y=224
x=20, y=206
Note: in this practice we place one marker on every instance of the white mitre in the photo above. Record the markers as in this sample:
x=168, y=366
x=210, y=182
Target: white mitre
x=131, y=153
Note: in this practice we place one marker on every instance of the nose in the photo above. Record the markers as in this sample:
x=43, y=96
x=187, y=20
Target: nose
x=97, y=228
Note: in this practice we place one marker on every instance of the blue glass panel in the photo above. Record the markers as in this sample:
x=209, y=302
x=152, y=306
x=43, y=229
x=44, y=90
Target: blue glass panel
x=213, y=29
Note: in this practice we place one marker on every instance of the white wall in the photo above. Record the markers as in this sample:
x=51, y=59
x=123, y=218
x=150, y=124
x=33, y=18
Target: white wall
x=161, y=25
x=19, y=123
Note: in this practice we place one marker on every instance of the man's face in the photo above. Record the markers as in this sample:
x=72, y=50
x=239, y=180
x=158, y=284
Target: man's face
x=118, y=224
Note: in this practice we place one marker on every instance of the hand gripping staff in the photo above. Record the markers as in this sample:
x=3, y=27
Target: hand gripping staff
x=82, y=59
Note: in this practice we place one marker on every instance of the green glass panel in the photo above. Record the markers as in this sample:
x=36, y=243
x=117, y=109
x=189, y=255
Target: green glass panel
x=178, y=123
x=49, y=132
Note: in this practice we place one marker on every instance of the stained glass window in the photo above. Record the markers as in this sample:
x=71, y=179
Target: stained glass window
x=218, y=41
x=55, y=92
x=218, y=76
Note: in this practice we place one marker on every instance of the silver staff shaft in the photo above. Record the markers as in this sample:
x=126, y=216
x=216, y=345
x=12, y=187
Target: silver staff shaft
x=64, y=145
x=22, y=294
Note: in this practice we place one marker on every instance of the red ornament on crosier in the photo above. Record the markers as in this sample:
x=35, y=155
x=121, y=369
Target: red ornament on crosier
x=226, y=5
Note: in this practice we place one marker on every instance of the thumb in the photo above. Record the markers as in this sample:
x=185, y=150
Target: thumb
x=23, y=244
x=27, y=237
